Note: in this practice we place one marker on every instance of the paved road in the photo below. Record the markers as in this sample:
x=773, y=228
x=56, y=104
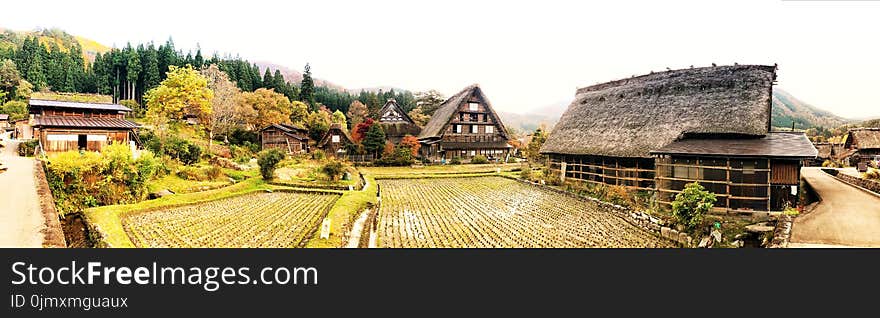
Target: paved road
x=20, y=216
x=845, y=216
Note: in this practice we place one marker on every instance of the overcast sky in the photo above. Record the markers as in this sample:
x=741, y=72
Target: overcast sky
x=525, y=55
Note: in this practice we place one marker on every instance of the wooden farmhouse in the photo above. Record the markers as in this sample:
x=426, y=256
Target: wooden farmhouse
x=396, y=123
x=291, y=139
x=662, y=131
x=862, y=145
x=4, y=122
x=62, y=126
x=464, y=126
x=335, y=142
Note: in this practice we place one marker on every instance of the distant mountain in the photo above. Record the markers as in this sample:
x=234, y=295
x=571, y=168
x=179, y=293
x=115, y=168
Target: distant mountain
x=530, y=120
x=295, y=76
x=788, y=109
x=90, y=48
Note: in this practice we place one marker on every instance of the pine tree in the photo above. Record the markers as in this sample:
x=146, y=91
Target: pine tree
x=198, y=61
x=132, y=70
x=151, y=75
x=269, y=81
x=307, y=89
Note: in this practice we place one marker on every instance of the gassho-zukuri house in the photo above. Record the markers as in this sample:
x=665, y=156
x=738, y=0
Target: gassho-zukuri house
x=465, y=126
x=62, y=126
x=661, y=131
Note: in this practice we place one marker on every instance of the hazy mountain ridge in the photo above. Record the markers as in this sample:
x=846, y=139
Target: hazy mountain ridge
x=788, y=109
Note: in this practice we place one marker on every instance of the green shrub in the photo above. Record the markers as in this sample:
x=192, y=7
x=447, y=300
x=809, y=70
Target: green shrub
x=268, y=159
x=88, y=179
x=177, y=148
x=526, y=172
x=455, y=161
x=26, y=149
x=240, y=154
x=400, y=157
x=318, y=154
x=333, y=169
x=690, y=205
x=242, y=137
x=479, y=159
x=511, y=159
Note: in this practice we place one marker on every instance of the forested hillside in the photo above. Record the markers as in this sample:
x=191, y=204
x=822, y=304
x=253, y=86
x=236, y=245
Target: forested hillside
x=54, y=60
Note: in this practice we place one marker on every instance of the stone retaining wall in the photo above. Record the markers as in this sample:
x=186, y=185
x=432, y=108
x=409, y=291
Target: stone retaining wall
x=869, y=185
x=53, y=234
x=637, y=218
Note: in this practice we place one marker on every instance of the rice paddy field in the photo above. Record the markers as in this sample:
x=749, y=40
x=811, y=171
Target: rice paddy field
x=487, y=212
x=279, y=219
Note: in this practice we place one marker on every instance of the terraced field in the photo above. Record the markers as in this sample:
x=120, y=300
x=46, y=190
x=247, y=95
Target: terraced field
x=256, y=220
x=496, y=212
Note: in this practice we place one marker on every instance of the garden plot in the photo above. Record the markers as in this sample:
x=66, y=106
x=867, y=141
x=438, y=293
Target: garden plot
x=258, y=220
x=497, y=212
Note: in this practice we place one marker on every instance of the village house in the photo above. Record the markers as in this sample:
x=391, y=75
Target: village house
x=291, y=139
x=662, y=131
x=396, y=123
x=465, y=126
x=63, y=126
x=826, y=152
x=4, y=122
x=862, y=145
x=335, y=142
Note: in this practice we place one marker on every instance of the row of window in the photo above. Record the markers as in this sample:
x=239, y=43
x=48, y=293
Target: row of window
x=473, y=129
x=484, y=118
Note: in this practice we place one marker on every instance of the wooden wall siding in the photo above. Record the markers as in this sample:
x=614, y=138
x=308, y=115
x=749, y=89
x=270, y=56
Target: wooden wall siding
x=60, y=140
x=272, y=138
x=738, y=184
x=471, y=153
x=482, y=119
x=784, y=172
x=629, y=172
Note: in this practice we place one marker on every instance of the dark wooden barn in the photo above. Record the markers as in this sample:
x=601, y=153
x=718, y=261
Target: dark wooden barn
x=335, y=142
x=291, y=139
x=862, y=146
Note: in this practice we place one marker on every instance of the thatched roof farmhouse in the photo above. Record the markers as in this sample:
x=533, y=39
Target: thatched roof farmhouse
x=464, y=126
x=660, y=131
x=396, y=123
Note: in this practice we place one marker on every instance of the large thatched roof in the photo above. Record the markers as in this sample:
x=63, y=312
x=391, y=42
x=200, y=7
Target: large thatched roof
x=631, y=117
x=443, y=115
x=865, y=138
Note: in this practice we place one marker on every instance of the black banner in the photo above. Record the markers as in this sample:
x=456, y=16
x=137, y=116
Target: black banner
x=428, y=281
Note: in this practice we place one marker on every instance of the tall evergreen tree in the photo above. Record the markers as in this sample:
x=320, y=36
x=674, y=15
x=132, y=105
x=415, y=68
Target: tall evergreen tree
x=151, y=75
x=307, y=89
x=269, y=81
x=198, y=61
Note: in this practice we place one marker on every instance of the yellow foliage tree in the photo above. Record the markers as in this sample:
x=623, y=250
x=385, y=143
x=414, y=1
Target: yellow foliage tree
x=270, y=107
x=184, y=92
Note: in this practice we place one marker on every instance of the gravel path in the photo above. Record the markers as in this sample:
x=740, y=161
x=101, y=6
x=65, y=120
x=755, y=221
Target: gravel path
x=20, y=216
x=845, y=216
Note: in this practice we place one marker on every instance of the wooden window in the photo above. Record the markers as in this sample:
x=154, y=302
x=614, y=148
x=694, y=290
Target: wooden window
x=490, y=129
x=458, y=129
x=783, y=172
x=473, y=106
x=334, y=138
x=474, y=129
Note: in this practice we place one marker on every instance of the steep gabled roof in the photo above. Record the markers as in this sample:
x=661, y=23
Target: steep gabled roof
x=391, y=104
x=335, y=128
x=631, y=117
x=443, y=115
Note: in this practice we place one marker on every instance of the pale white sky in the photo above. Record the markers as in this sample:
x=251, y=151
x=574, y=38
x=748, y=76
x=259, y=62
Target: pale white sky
x=525, y=54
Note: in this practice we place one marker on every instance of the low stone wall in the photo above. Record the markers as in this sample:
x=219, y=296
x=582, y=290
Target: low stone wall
x=53, y=234
x=637, y=218
x=869, y=185
x=782, y=233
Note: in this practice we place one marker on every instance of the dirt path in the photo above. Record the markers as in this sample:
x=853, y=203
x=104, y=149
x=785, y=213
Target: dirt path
x=20, y=216
x=846, y=216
